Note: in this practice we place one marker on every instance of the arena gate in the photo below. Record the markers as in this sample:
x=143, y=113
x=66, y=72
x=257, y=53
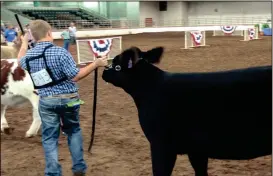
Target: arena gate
x=104, y=46
x=194, y=39
x=248, y=34
x=251, y=34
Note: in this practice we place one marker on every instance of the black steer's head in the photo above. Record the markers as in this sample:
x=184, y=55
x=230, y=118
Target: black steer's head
x=125, y=66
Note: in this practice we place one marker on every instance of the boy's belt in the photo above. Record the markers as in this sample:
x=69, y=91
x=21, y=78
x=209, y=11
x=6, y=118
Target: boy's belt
x=72, y=95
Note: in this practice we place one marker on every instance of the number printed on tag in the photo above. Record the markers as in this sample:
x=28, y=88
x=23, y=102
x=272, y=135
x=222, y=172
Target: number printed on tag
x=41, y=78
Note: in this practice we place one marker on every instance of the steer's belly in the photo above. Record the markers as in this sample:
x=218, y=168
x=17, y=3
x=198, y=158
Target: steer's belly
x=13, y=100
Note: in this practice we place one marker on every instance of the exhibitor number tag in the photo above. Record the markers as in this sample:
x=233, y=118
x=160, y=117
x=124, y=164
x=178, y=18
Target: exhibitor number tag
x=41, y=78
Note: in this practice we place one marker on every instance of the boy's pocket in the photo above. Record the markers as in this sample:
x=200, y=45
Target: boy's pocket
x=74, y=103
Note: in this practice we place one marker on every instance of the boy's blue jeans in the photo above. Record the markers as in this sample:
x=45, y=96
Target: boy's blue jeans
x=52, y=110
x=66, y=44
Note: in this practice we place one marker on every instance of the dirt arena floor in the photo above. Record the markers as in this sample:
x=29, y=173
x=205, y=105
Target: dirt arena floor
x=120, y=147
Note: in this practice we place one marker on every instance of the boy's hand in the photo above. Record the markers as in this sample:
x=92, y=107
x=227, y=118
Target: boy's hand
x=24, y=38
x=101, y=62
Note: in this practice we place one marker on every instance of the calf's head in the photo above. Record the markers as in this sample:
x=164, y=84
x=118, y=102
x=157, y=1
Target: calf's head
x=127, y=66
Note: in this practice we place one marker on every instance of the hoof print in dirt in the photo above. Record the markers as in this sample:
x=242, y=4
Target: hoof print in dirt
x=8, y=130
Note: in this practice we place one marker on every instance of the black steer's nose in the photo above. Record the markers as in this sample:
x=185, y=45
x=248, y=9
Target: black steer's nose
x=105, y=73
x=108, y=67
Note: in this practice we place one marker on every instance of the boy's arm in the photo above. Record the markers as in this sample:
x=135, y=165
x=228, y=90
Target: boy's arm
x=23, y=50
x=70, y=69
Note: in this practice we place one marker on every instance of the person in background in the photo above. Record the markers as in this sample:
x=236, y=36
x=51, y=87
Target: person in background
x=2, y=23
x=3, y=39
x=16, y=28
x=72, y=33
x=10, y=35
x=2, y=28
x=55, y=73
x=65, y=36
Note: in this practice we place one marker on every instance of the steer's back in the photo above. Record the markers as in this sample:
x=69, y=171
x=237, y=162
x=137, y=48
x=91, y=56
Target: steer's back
x=236, y=89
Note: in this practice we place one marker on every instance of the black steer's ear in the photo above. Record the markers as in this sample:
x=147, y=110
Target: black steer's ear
x=132, y=56
x=154, y=55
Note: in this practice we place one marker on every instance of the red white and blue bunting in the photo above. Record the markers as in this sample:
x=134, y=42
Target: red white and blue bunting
x=100, y=47
x=196, y=37
x=228, y=29
x=251, y=33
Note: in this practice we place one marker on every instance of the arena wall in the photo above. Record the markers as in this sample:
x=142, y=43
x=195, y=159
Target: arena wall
x=176, y=14
x=148, y=10
x=229, y=9
x=229, y=12
x=206, y=13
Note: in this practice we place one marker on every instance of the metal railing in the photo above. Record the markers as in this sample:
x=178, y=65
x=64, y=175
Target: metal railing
x=226, y=20
x=103, y=21
x=92, y=12
x=41, y=8
x=86, y=10
x=60, y=24
x=124, y=23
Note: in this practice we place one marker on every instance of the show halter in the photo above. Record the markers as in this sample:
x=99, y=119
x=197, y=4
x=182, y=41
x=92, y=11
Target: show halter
x=99, y=47
x=94, y=110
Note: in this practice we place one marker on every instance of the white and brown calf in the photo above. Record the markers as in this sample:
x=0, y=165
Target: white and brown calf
x=16, y=89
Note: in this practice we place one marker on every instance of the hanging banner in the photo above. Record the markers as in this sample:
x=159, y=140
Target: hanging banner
x=251, y=33
x=228, y=29
x=196, y=37
x=100, y=47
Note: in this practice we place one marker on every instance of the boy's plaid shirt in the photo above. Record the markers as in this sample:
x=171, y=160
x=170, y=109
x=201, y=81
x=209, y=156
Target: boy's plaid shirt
x=59, y=61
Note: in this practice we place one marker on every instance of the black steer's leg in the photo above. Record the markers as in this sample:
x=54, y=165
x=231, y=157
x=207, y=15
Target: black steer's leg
x=163, y=160
x=199, y=164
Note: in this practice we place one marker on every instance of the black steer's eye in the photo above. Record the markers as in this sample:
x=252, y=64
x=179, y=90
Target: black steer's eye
x=117, y=67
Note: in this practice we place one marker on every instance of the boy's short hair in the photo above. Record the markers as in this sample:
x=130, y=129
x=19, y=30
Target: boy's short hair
x=39, y=29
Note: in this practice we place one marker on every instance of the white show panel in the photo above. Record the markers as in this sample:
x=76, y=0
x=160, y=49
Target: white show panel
x=194, y=39
x=104, y=46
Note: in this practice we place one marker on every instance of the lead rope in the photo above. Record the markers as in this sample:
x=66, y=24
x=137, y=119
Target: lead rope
x=94, y=110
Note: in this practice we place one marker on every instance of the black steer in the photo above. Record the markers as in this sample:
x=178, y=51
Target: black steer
x=220, y=115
